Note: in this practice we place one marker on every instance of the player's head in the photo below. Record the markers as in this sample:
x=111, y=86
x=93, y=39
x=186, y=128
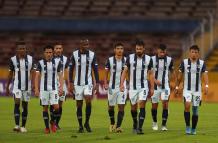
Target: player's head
x=84, y=44
x=48, y=52
x=162, y=50
x=194, y=52
x=21, y=48
x=118, y=49
x=58, y=49
x=139, y=47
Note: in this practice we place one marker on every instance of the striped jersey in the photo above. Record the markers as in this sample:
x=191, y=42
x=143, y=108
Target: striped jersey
x=115, y=68
x=162, y=68
x=138, y=69
x=83, y=64
x=192, y=74
x=21, y=69
x=49, y=74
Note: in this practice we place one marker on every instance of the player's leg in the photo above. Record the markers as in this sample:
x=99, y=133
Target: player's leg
x=187, y=104
x=79, y=90
x=164, y=115
x=154, y=101
x=196, y=103
x=88, y=100
x=17, y=114
x=46, y=119
x=53, y=121
x=141, y=116
x=51, y=109
x=120, y=115
x=165, y=100
x=112, y=119
x=59, y=114
x=133, y=95
x=24, y=116
x=121, y=100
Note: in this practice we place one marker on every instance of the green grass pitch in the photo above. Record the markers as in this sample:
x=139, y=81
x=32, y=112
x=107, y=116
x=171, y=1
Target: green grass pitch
x=207, y=131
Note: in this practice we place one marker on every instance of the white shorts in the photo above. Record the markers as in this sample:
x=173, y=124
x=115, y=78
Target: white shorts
x=116, y=97
x=194, y=97
x=23, y=95
x=80, y=91
x=164, y=94
x=63, y=96
x=136, y=95
x=49, y=97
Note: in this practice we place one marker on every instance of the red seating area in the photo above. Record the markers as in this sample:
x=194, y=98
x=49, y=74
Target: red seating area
x=193, y=9
x=102, y=44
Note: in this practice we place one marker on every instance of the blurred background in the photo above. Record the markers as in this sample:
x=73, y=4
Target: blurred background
x=176, y=23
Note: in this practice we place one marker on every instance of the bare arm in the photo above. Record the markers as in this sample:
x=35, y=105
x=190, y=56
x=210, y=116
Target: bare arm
x=106, y=79
x=123, y=77
x=10, y=77
x=37, y=80
x=206, y=82
x=61, y=81
x=151, y=78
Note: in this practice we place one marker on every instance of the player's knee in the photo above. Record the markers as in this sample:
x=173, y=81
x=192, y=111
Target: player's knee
x=154, y=105
x=121, y=107
x=195, y=110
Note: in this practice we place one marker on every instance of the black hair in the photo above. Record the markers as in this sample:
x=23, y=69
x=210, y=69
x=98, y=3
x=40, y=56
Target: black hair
x=194, y=47
x=20, y=43
x=48, y=47
x=118, y=44
x=139, y=42
x=162, y=47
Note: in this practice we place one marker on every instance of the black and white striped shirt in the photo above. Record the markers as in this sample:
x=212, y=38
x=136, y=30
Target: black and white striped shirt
x=84, y=63
x=162, y=68
x=49, y=74
x=64, y=62
x=192, y=74
x=138, y=69
x=116, y=68
x=21, y=69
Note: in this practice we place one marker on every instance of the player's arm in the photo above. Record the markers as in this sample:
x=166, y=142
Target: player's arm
x=61, y=78
x=66, y=73
x=10, y=77
x=205, y=78
x=151, y=77
x=32, y=75
x=179, y=77
x=106, y=74
x=37, y=79
x=71, y=67
x=123, y=77
x=96, y=74
x=172, y=75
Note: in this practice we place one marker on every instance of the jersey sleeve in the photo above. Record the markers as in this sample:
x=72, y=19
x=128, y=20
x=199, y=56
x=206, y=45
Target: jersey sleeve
x=182, y=67
x=107, y=64
x=171, y=66
x=59, y=68
x=150, y=65
x=204, y=69
x=95, y=68
x=127, y=63
x=11, y=66
x=67, y=64
x=38, y=67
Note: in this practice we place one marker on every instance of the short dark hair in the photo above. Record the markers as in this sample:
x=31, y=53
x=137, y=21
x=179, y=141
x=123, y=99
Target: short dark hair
x=118, y=44
x=48, y=47
x=162, y=47
x=194, y=47
x=139, y=42
x=58, y=43
x=20, y=43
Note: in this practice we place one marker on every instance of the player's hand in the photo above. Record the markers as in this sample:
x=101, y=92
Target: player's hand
x=7, y=93
x=106, y=86
x=158, y=82
x=37, y=93
x=60, y=92
x=96, y=88
x=151, y=92
x=121, y=87
x=206, y=90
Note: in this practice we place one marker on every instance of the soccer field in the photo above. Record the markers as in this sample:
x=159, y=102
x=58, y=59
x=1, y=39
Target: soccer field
x=207, y=131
